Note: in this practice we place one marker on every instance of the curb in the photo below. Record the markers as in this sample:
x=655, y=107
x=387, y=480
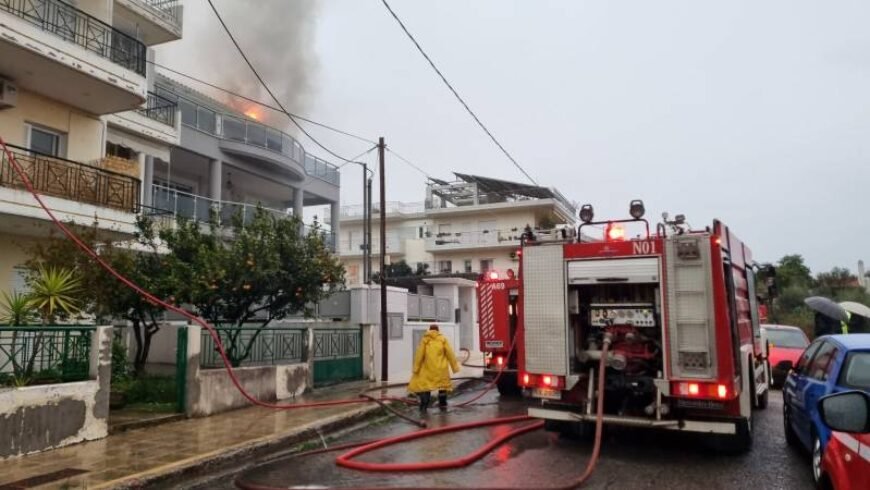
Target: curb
x=219, y=459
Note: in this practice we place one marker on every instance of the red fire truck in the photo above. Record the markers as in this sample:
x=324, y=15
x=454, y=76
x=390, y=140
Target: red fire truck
x=498, y=321
x=679, y=310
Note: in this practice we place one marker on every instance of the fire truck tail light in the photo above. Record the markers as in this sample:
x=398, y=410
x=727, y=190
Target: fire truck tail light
x=528, y=379
x=722, y=391
x=702, y=390
x=499, y=360
x=547, y=380
x=694, y=389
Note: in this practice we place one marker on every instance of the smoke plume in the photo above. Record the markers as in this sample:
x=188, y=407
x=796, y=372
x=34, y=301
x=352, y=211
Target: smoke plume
x=276, y=35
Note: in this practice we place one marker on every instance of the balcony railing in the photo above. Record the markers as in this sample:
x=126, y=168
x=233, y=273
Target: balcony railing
x=159, y=109
x=69, y=23
x=235, y=128
x=59, y=177
x=165, y=200
x=392, y=208
x=170, y=8
x=492, y=238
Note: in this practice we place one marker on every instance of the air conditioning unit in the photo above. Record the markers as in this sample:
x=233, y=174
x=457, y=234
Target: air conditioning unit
x=8, y=94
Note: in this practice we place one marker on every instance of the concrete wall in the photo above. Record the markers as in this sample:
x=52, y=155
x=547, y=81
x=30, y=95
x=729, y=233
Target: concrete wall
x=211, y=391
x=401, y=351
x=39, y=418
x=85, y=133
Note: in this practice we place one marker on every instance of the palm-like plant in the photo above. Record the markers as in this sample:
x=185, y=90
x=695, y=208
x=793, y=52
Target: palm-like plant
x=54, y=292
x=15, y=309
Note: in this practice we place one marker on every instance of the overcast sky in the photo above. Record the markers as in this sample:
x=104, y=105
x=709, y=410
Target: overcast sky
x=754, y=112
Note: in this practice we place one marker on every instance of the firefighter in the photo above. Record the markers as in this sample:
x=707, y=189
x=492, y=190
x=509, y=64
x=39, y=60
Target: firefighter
x=825, y=325
x=433, y=361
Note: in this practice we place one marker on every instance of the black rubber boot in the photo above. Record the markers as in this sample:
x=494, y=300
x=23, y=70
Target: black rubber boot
x=442, y=400
x=425, y=398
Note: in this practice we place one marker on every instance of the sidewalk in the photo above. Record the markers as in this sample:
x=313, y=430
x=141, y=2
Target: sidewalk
x=138, y=456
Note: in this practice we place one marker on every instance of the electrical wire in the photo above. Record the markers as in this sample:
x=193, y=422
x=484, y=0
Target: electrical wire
x=455, y=93
x=260, y=102
x=266, y=85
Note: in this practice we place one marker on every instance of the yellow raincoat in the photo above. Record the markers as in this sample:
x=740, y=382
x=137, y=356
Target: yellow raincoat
x=431, y=362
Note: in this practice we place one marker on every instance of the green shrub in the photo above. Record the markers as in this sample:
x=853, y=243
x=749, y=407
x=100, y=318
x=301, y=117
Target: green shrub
x=147, y=389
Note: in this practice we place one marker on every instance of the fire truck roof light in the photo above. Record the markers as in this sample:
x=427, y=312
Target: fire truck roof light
x=493, y=275
x=636, y=209
x=586, y=213
x=615, y=232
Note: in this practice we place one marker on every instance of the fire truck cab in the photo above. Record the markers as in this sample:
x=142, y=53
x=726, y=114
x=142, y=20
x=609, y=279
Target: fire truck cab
x=680, y=312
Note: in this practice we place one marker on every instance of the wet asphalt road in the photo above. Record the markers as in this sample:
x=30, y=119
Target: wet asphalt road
x=631, y=458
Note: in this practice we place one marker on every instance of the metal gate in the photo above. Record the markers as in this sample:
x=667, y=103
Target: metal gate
x=337, y=355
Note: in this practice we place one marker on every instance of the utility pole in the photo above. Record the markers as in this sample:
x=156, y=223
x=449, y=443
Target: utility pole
x=384, y=330
x=366, y=245
x=367, y=229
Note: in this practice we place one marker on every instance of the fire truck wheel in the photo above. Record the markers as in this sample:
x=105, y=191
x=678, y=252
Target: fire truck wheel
x=507, y=385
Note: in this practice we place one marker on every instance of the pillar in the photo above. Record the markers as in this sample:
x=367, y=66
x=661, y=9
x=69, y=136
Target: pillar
x=215, y=172
x=147, y=164
x=299, y=206
x=335, y=223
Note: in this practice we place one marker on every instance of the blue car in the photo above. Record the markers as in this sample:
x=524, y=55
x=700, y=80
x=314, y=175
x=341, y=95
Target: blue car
x=830, y=364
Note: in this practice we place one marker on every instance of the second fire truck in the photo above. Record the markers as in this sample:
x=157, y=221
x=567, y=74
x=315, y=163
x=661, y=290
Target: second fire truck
x=678, y=308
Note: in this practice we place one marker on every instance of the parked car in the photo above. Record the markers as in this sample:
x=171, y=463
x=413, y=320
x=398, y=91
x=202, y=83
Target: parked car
x=785, y=344
x=846, y=461
x=831, y=364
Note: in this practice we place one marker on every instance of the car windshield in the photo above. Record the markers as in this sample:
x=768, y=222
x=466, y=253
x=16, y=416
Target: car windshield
x=857, y=371
x=781, y=337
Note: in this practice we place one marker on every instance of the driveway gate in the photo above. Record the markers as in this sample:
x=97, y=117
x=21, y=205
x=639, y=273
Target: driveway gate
x=337, y=355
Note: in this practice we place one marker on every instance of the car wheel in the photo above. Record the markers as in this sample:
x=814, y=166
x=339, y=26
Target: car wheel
x=790, y=437
x=817, y=459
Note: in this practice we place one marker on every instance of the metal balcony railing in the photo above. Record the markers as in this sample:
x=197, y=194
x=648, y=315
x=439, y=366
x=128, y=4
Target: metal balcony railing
x=235, y=128
x=165, y=200
x=473, y=239
x=75, y=26
x=76, y=181
x=392, y=207
x=170, y=8
x=159, y=109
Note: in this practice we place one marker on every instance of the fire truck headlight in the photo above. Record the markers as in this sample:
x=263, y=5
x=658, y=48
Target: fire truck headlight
x=586, y=213
x=636, y=209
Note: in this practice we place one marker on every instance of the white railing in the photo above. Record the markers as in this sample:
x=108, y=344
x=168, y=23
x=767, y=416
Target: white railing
x=491, y=238
x=392, y=207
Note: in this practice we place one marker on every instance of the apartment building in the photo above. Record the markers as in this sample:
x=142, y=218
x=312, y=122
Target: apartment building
x=470, y=225
x=75, y=85
x=228, y=161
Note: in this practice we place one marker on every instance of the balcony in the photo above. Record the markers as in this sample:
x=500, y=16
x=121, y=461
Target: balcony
x=166, y=201
x=473, y=240
x=54, y=49
x=156, y=120
x=155, y=21
x=393, y=208
x=71, y=180
x=252, y=139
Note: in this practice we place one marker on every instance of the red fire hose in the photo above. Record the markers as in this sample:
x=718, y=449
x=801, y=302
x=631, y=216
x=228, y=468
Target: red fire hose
x=344, y=459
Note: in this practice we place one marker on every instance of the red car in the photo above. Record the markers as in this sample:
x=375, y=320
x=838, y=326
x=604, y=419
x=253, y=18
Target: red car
x=846, y=460
x=786, y=344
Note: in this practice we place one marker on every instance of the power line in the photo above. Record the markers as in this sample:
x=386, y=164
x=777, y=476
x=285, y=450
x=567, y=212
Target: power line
x=266, y=86
x=258, y=102
x=358, y=157
x=409, y=163
x=455, y=93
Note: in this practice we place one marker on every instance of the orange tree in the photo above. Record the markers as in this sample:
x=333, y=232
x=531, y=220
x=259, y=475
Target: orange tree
x=249, y=273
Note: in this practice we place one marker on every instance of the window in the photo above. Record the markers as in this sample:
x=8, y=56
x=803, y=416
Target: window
x=806, y=356
x=206, y=120
x=856, y=373
x=188, y=112
x=818, y=368
x=486, y=265
x=443, y=229
x=120, y=151
x=445, y=266
x=19, y=279
x=45, y=141
x=468, y=265
x=782, y=337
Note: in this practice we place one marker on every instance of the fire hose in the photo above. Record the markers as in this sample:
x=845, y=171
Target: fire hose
x=344, y=459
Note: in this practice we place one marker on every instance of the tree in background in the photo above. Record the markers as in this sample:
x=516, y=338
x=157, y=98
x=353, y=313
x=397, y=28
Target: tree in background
x=250, y=273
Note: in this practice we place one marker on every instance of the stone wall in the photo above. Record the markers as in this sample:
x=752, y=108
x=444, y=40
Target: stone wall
x=211, y=391
x=38, y=418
